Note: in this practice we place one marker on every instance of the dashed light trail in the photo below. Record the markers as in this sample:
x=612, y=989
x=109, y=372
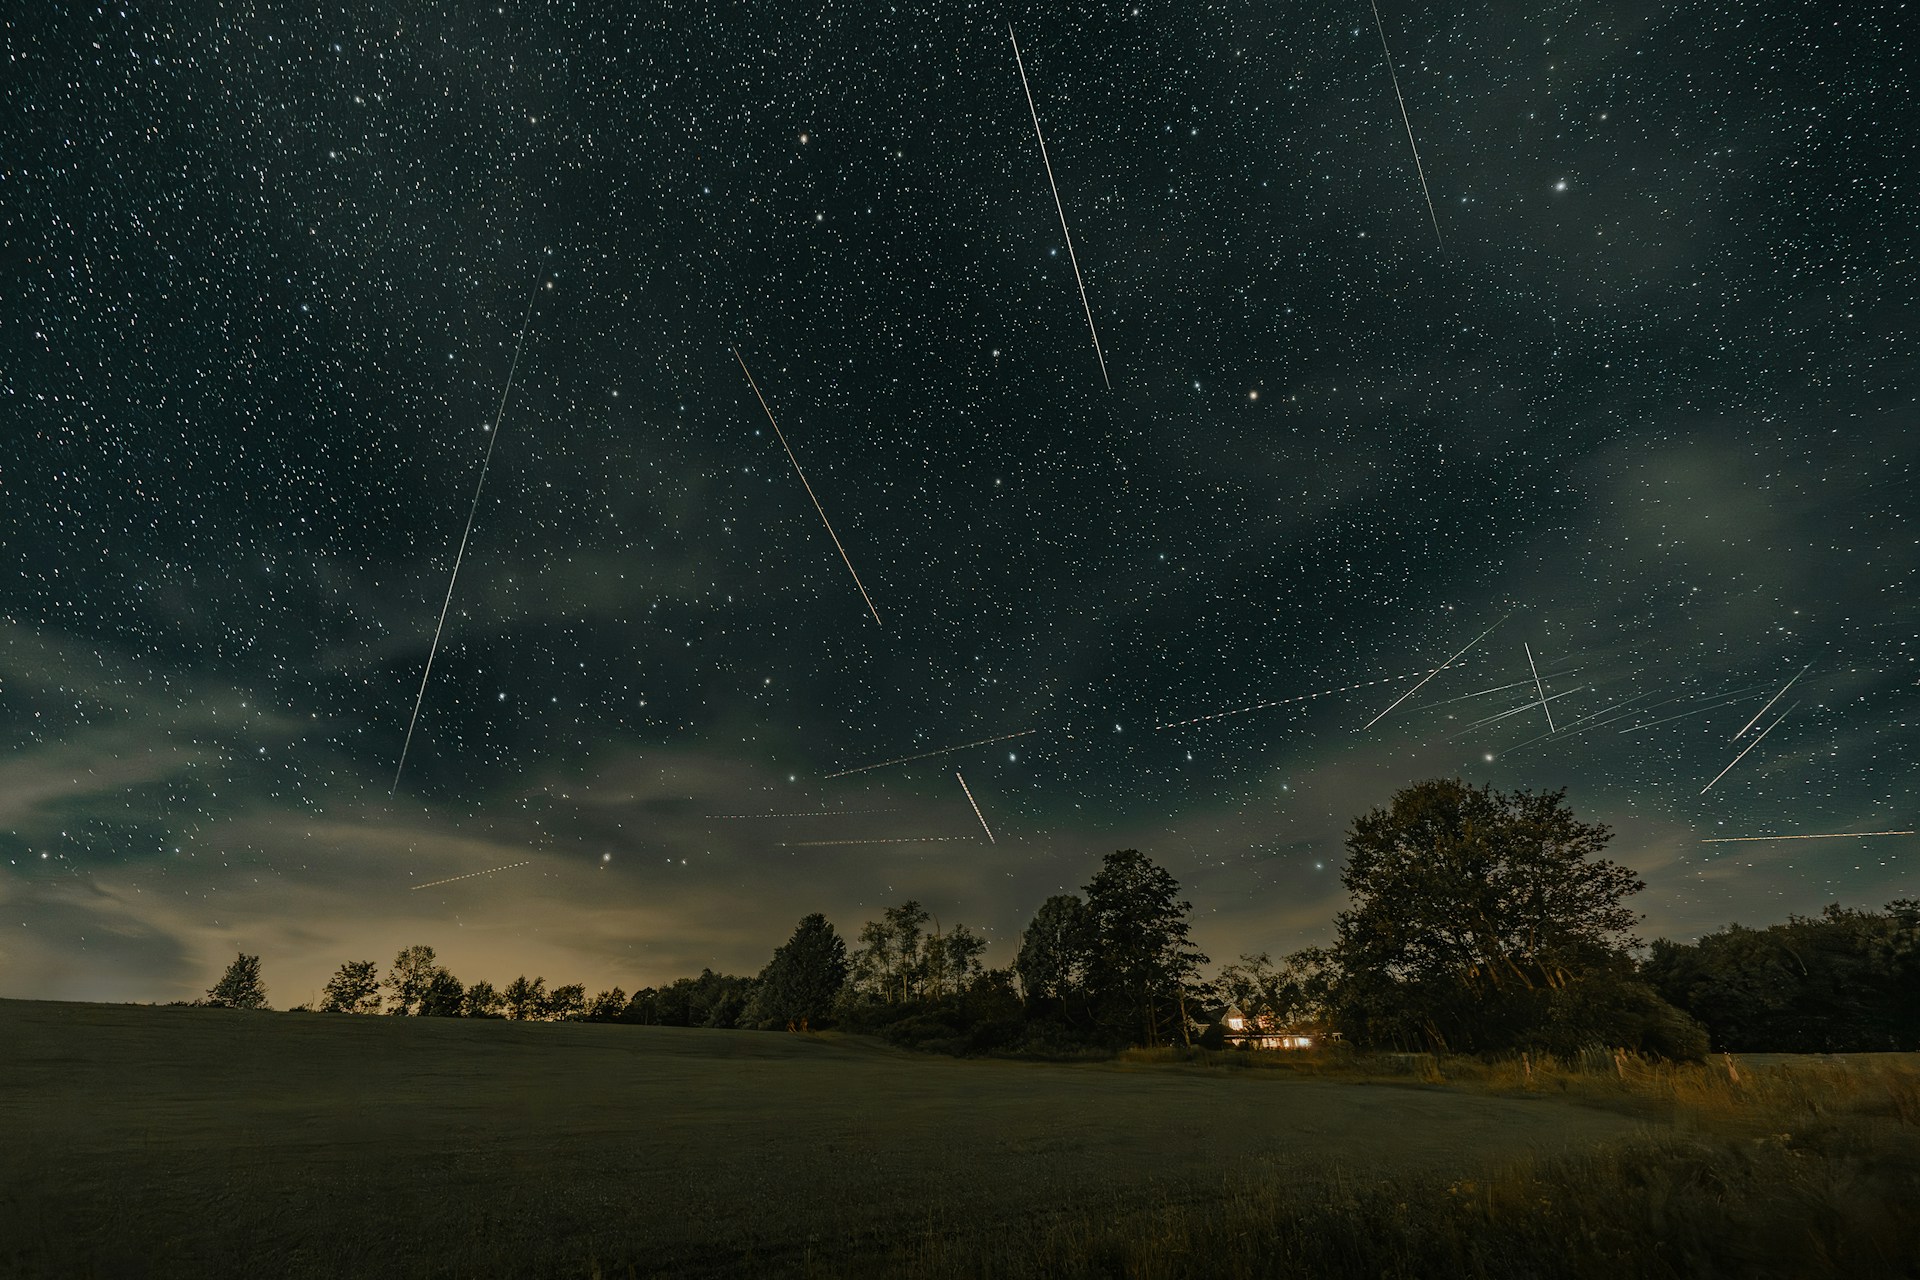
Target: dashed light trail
x=1825, y=835
x=976, y=808
x=1436, y=671
x=471, y=874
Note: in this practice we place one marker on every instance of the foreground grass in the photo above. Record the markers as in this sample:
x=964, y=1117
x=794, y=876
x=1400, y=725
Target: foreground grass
x=1807, y=1168
x=185, y=1142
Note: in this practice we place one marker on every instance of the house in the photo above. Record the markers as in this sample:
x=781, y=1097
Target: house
x=1242, y=1031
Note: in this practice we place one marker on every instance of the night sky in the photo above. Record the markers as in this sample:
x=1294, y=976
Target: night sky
x=1647, y=405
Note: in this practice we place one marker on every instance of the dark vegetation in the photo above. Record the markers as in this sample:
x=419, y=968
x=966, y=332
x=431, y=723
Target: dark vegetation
x=1504, y=1084
x=1479, y=922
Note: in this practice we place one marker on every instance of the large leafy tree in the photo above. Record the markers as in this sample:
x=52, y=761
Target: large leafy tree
x=354, y=988
x=1141, y=962
x=523, y=1000
x=240, y=986
x=1470, y=909
x=1054, y=950
x=798, y=987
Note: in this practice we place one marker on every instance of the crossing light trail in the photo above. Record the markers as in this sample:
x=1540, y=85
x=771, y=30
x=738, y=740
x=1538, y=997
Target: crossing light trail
x=1738, y=695
x=976, y=808
x=1005, y=737
x=1770, y=701
x=493, y=439
x=1404, y=119
x=1502, y=688
x=1522, y=709
x=1436, y=671
x=1584, y=723
x=808, y=487
x=1058, y=207
x=820, y=844
x=1537, y=687
x=471, y=874
x=1750, y=746
x=1825, y=835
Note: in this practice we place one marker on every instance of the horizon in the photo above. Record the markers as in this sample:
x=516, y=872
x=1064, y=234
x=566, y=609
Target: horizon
x=369, y=366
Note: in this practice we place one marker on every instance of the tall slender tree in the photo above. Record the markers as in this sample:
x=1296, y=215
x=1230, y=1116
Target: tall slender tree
x=1141, y=960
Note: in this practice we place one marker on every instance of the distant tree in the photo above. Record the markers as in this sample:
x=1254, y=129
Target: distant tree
x=523, y=1000
x=1141, y=962
x=354, y=988
x=443, y=996
x=1055, y=950
x=480, y=1001
x=1846, y=981
x=950, y=961
x=890, y=965
x=407, y=981
x=643, y=1008
x=566, y=1004
x=798, y=987
x=607, y=1006
x=240, y=986
x=1470, y=907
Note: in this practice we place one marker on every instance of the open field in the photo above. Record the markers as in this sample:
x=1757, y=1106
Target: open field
x=198, y=1142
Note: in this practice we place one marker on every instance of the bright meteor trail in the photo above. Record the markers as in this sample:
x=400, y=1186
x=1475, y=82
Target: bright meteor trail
x=1417, y=167
x=1750, y=746
x=472, y=511
x=1436, y=671
x=809, y=488
x=976, y=808
x=1071, y=257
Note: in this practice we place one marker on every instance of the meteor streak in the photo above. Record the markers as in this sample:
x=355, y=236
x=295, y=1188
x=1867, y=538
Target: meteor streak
x=1537, y=687
x=1436, y=671
x=925, y=754
x=1750, y=746
x=471, y=874
x=1060, y=208
x=815, y=813
x=1770, y=701
x=976, y=808
x=1825, y=835
x=1281, y=702
x=1514, y=711
x=809, y=488
x=472, y=511
x=1417, y=167
x=1736, y=696
x=816, y=844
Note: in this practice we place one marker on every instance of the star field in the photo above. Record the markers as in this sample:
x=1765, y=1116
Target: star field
x=1651, y=396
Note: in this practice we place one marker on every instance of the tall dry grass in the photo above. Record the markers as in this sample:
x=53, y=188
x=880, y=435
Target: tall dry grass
x=1800, y=1172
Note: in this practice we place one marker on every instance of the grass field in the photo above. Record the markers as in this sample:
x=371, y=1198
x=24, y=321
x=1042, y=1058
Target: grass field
x=196, y=1142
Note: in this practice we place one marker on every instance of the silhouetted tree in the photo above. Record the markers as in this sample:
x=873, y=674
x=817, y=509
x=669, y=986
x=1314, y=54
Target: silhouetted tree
x=1141, y=962
x=408, y=980
x=889, y=965
x=240, y=986
x=443, y=996
x=607, y=1006
x=1055, y=950
x=354, y=988
x=523, y=1000
x=1471, y=908
x=480, y=1001
x=798, y=987
x=1846, y=981
x=566, y=1004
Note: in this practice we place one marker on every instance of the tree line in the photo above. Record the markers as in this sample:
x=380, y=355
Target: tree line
x=1478, y=921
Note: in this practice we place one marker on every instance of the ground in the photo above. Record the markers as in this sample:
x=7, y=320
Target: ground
x=204, y=1142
